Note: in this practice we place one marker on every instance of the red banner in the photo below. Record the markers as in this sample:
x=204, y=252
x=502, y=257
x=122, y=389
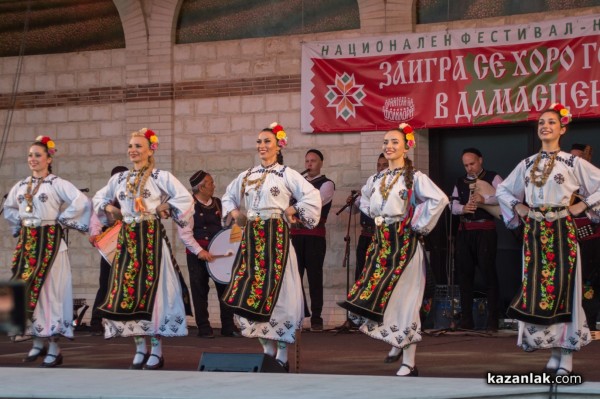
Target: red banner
x=452, y=78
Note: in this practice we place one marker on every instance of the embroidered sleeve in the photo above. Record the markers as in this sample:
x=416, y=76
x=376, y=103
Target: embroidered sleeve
x=510, y=193
x=78, y=209
x=308, y=205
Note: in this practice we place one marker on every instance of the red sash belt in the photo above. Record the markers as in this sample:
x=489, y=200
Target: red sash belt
x=483, y=225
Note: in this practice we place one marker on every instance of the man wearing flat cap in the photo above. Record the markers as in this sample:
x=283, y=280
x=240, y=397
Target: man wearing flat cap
x=196, y=237
x=310, y=244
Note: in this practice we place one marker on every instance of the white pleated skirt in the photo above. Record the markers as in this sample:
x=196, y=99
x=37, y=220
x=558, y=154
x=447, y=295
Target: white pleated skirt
x=288, y=311
x=572, y=335
x=401, y=324
x=168, y=313
x=53, y=314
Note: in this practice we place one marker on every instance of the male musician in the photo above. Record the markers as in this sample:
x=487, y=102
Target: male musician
x=588, y=235
x=310, y=244
x=196, y=237
x=105, y=267
x=476, y=239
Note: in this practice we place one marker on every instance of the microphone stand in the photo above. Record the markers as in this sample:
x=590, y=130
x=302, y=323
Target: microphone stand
x=450, y=292
x=347, y=326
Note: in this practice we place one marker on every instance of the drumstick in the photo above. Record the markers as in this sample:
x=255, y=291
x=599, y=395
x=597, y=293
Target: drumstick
x=225, y=255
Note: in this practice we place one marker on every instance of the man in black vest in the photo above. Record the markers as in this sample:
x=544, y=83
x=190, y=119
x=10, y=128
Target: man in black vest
x=476, y=239
x=196, y=237
x=310, y=244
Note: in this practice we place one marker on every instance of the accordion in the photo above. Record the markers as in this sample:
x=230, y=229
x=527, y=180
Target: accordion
x=107, y=242
x=586, y=230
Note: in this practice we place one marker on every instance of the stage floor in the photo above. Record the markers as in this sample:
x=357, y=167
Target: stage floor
x=325, y=364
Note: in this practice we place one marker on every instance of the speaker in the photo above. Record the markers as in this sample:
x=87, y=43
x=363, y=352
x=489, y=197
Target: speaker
x=239, y=362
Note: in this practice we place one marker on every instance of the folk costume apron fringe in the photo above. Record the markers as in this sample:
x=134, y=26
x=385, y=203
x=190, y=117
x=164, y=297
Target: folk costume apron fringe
x=135, y=272
x=258, y=269
x=33, y=257
x=387, y=257
x=549, y=261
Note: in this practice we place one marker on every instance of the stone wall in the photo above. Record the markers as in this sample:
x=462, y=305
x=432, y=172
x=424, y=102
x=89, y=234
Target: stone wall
x=206, y=101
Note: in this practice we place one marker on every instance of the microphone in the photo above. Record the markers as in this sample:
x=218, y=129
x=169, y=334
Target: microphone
x=84, y=190
x=305, y=172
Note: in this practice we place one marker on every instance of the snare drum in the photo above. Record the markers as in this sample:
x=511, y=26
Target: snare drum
x=223, y=252
x=107, y=242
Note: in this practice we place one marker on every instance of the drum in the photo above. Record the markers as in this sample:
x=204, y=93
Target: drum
x=107, y=242
x=223, y=251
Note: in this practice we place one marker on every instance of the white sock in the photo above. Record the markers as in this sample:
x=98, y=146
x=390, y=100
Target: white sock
x=53, y=349
x=269, y=347
x=156, y=350
x=408, y=357
x=282, y=352
x=140, y=347
x=566, y=362
x=38, y=345
x=394, y=351
x=554, y=361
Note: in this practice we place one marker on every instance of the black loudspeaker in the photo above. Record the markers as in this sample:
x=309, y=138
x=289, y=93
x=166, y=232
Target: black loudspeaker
x=239, y=362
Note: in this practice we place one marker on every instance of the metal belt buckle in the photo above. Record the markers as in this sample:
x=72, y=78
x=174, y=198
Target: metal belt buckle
x=128, y=219
x=550, y=216
x=378, y=220
x=32, y=222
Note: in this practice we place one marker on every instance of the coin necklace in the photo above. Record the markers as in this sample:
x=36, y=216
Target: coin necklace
x=29, y=195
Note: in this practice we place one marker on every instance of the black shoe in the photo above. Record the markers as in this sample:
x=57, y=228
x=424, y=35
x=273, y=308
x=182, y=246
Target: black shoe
x=392, y=359
x=32, y=358
x=206, y=333
x=138, y=366
x=231, y=333
x=413, y=371
x=286, y=365
x=316, y=324
x=58, y=359
x=159, y=365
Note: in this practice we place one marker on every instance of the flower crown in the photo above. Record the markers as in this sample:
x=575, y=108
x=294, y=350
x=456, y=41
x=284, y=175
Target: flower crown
x=47, y=141
x=279, y=133
x=409, y=134
x=151, y=136
x=565, y=114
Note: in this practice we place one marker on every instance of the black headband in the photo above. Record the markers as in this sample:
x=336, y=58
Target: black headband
x=197, y=178
x=319, y=153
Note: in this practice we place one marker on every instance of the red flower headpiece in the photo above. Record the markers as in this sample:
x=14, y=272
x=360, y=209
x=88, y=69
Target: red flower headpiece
x=279, y=133
x=565, y=114
x=151, y=136
x=409, y=133
x=47, y=141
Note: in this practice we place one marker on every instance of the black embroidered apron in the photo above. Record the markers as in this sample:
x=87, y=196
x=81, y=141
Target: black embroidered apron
x=387, y=257
x=258, y=269
x=549, y=261
x=135, y=272
x=33, y=257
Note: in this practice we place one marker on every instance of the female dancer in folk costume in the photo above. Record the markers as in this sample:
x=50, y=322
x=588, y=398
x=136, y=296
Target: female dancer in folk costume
x=386, y=299
x=265, y=291
x=37, y=208
x=144, y=295
x=548, y=306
